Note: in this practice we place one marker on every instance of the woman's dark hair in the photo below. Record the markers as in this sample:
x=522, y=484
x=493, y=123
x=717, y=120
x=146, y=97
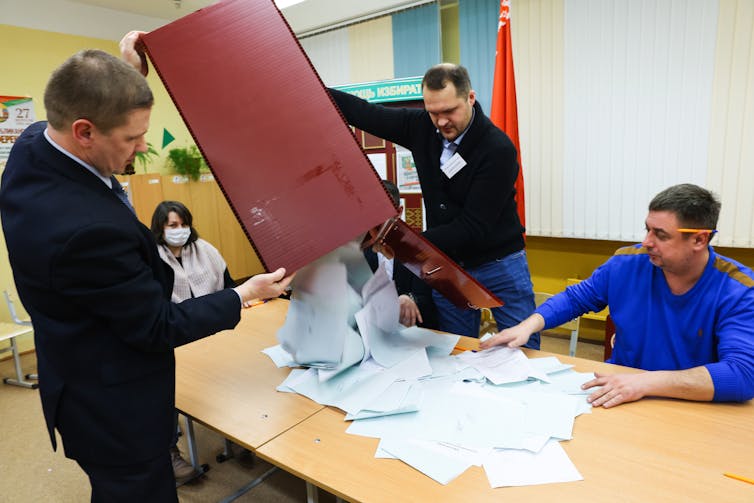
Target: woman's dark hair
x=160, y=218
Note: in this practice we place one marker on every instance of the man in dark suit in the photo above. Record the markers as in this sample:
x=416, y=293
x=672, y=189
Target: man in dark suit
x=97, y=291
x=414, y=295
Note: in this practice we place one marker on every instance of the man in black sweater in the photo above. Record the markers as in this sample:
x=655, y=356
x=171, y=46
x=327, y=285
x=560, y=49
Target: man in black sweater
x=467, y=169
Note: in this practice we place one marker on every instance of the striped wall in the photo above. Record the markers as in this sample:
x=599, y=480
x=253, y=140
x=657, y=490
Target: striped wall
x=730, y=156
x=416, y=40
x=637, y=87
x=477, y=28
x=369, y=51
x=617, y=100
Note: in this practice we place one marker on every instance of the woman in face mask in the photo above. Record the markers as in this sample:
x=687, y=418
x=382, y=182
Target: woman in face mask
x=199, y=269
x=198, y=266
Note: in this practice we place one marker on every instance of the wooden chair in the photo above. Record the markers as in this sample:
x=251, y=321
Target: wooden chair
x=487, y=323
x=9, y=332
x=573, y=325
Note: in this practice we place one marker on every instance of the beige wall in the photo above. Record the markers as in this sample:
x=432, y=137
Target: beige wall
x=371, y=50
x=37, y=53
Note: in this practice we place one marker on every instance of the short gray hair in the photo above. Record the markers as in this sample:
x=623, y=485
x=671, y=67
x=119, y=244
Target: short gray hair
x=438, y=76
x=96, y=86
x=694, y=206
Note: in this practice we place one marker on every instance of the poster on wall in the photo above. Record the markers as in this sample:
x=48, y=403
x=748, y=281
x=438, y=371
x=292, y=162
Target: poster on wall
x=406, y=176
x=16, y=113
x=379, y=161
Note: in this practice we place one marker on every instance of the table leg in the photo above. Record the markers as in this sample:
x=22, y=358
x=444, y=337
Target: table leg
x=191, y=441
x=251, y=485
x=312, y=493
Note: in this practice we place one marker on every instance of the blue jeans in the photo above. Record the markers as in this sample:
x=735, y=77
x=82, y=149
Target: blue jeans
x=509, y=279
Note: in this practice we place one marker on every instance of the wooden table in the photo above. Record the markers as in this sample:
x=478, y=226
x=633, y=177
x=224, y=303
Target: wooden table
x=651, y=450
x=225, y=383
x=648, y=451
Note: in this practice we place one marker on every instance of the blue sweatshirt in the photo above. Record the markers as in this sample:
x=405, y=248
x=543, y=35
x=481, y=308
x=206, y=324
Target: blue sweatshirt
x=711, y=325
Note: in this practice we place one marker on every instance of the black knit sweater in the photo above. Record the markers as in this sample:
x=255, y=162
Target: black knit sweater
x=472, y=217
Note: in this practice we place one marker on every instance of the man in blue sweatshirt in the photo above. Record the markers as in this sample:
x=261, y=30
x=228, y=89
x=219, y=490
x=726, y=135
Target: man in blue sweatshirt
x=682, y=312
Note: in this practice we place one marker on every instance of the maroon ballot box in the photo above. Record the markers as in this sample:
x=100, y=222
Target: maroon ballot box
x=284, y=158
x=435, y=268
x=289, y=167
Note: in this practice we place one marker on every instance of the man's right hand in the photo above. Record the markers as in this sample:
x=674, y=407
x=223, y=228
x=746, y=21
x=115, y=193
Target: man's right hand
x=517, y=335
x=264, y=286
x=130, y=54
x=410, y=314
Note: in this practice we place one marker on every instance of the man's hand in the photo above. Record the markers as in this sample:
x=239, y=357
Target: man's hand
x=690, y=384
x=264, y=286
x=130, y=54
x=410, y=314
x=515, y=336
x=616, y=389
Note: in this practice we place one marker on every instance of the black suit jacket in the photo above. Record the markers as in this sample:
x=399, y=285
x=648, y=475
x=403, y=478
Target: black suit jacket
x=407, y=283
x=89, y=274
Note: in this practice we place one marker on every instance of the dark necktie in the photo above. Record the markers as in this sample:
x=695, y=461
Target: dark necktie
x=118, y=189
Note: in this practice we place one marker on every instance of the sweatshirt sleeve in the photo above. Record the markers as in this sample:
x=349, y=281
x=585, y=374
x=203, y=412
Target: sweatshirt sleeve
x=733, y=374
x=586, y=296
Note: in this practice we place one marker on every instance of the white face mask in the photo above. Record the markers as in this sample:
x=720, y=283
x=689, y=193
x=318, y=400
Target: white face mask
x=178, y=236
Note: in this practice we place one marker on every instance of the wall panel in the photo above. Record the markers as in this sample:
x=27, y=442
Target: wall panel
x=477, y=29
x=371, y=50
x=419, y=30
x=730, y=166
x=638, y=79
x=330, y=55
x=537, y=39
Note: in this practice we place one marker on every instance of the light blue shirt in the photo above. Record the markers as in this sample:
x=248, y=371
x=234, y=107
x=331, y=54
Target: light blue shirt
x=449, y=147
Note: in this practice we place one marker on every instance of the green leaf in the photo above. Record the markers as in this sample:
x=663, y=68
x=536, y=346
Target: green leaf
x=187, y=161
x=143, y=158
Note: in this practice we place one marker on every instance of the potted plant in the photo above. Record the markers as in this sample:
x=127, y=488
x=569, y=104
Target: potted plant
x=144, y=158
x=187, y=161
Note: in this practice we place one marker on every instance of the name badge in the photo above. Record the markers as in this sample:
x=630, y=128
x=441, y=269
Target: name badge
x=453, y=165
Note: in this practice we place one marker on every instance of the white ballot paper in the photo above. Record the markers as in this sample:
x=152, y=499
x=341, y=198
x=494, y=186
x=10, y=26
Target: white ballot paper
x=317, y=321
x=440, y=462
x=522, y=468
x=503, y=365
x=438, y=413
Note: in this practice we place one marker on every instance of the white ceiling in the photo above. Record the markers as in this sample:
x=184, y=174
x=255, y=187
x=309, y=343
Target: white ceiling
x=303, y=17
x=164, y=9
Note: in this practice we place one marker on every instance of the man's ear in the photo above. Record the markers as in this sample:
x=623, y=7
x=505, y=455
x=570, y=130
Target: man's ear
x=472, y=97
x=82, y=131
x=702, y=239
